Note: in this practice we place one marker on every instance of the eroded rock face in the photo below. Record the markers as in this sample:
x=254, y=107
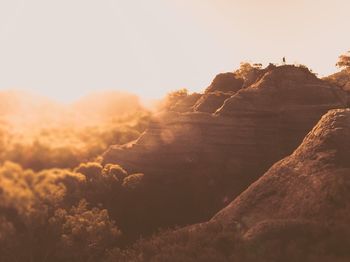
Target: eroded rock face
x=281, y=89
x=311, y=184
x=210, y=102
x=205, y=160
x=223, y=86
x=225, y=82
x=297, y=211
x=341, y=79
x=186, y=104
x=302, y=203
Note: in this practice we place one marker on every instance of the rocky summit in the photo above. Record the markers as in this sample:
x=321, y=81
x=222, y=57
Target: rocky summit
x=209, y=157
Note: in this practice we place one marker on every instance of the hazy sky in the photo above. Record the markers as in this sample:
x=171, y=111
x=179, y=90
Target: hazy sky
x=67, y=48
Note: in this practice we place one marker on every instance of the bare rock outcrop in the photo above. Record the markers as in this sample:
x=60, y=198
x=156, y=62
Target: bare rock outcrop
x=210, y=102
x=300, y=207
x=341, y=79
x=298, y=211
x=202, y=161
x=225, y=82
x=312, y=183
x=222, y=87
x=186, y=103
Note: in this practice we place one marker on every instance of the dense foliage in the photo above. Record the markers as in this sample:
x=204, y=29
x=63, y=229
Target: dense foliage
x=55, y=205
x=344, y=60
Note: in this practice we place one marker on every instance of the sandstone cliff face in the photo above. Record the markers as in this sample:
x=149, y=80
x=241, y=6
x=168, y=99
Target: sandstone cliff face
x=299, y=210
x=225, y=82
x=341, y=79
x=208, y=159
x=210, y=102
x=185, y=104
x=312, y=184
x=223, y=86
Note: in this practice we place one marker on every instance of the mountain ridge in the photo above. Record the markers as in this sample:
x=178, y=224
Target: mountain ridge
x=210, y=158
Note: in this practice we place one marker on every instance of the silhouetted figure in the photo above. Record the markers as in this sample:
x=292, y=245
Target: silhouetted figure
x=284, y=60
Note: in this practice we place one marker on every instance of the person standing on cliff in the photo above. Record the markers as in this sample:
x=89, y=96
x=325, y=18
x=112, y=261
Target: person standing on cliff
x=284, y=60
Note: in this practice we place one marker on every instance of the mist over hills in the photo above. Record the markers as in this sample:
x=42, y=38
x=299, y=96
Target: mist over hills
x=104, y=103
x=39, y=133
x=253, y=169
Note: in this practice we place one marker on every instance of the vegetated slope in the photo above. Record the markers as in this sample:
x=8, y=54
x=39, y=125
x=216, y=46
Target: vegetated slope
x=297, y=211
x=49, y=210
x=195, y=163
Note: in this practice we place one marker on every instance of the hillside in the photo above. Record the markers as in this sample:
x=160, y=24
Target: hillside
x=202, y=154
x=312, y=183
x=197, y=162
x=341, y=79
x=297, y=211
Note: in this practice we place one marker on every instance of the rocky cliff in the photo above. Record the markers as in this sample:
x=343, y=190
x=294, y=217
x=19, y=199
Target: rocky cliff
x=298, y=211
x=300, y=207
x=201, y=161
x=312, y=183
x=341, y=79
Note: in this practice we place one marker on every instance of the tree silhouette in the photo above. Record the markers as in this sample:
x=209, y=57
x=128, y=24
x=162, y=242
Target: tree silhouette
x=344, y=60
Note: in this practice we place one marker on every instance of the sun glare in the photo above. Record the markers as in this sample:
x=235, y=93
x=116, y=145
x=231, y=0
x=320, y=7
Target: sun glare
x=66, y=49
x=174, y=130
